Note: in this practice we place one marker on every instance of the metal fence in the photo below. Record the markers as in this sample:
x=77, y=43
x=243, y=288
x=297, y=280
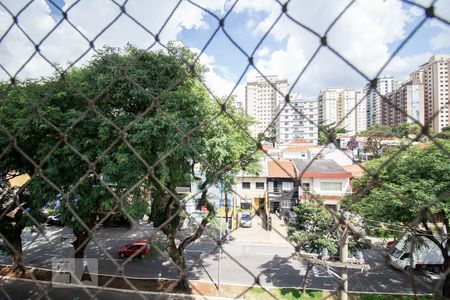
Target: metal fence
x=17, y=158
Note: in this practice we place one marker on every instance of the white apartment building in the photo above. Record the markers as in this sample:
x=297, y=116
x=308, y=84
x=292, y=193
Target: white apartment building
x=361, y=111
x=435, y=76
x=345, y=108
x=328, y=102
x=298, y=121
x=374, y=99
x=262, y=97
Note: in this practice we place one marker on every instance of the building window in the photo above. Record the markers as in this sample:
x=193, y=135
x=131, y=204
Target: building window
x=246, y=185
x=331, y=186
x=306, y=187
x=246, y=205
x=287, y=186
x=260, y=185
x=286, y=204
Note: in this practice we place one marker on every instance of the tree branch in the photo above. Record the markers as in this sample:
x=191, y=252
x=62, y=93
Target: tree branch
x=429, y=235
x=199, y=232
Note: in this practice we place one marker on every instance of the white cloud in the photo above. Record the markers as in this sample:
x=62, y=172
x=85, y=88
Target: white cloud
x=263, y=52
x=440, y=41
x=217, y=83
x=90, y=18
x=401, y=66
x=363, y=36
x=65, y=44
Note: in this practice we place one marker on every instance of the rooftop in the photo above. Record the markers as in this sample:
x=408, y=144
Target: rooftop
x=320, y=168
x=299, y=148
x=281, y=168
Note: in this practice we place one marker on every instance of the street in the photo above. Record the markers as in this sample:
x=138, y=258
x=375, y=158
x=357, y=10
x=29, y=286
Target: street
x=241, y=264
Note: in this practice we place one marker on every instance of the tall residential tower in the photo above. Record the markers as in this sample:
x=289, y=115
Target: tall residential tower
x=262, y=97
x=298, y=121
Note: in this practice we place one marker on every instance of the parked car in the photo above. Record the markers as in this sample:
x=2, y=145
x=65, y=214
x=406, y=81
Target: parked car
x=141, y=248
x=289, y=217
x=246, y=220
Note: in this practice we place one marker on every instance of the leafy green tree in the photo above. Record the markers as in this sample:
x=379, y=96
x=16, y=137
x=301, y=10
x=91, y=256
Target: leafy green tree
x=22, y=136
x=120, y=134
x=175, y=126
x=414, y=184
x=328, y=133
x=376, y=134
x=313, y=233
x=404, y=130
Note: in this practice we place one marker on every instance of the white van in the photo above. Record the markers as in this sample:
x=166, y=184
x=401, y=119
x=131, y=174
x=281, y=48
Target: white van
x=424, y=254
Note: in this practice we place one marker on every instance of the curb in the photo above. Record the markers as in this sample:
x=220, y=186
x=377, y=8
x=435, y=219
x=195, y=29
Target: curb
x=265, y=287
x=148, y=293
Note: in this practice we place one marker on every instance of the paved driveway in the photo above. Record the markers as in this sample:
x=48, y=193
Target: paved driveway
x=257, y=235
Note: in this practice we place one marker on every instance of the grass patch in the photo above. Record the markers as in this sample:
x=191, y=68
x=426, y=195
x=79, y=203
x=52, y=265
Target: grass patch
x=286, y=294
x=387, y=297
x=257, y=290
x=291, y=294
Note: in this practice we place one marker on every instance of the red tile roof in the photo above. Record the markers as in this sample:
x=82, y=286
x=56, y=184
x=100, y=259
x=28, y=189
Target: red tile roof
x=281, y=168
x=299, y=148
x=355, y=169
x=300, y=142
x=267, y=147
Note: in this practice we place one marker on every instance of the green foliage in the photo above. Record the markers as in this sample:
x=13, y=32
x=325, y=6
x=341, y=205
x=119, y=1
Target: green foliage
x=418, y=177
x=293, y=294
x=328, y=133
x=128, y=127
x=313, y=231
x=375, y=135
x=387, y=297
x=404, y=130
x=22, y=140
x=378, y=131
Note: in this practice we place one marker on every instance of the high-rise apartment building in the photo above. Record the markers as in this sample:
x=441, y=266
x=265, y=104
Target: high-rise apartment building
x=298, y=121
x=262, y=97
x=374, y=100
x=405, y=104
x=328, y=102
x=344, y=108
x=361, y=111
x=435, y=77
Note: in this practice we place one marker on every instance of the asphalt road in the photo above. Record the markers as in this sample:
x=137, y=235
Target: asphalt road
x=240, y=263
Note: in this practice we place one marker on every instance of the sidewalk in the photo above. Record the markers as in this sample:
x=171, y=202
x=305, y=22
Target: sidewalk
x=257, y=235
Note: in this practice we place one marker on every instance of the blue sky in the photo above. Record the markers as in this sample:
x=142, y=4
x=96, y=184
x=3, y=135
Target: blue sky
x=366, y=35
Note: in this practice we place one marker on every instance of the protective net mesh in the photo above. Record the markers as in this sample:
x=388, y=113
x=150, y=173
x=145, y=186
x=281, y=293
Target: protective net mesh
x=137, y=137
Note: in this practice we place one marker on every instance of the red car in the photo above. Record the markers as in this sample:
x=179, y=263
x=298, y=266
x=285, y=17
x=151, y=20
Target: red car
x=141, y=248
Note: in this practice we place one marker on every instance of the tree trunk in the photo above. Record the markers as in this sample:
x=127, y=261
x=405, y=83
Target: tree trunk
x=16, y=242
x=446, y=287
x=178, y=259
x=80, y=243
x=305, y=278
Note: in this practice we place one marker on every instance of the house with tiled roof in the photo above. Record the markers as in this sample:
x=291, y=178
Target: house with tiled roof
x=324, y=180
x=282, y=189
x=250, y=189
x=298, y=151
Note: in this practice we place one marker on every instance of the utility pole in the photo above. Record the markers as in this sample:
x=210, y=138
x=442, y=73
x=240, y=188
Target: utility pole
x=227, y=209
x=219, y=268
x=344, y=259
